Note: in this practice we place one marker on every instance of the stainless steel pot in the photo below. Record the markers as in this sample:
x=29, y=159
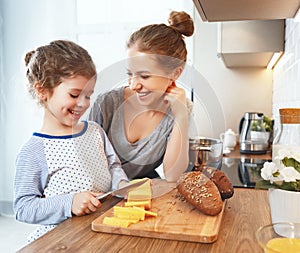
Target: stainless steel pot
x=205, y=152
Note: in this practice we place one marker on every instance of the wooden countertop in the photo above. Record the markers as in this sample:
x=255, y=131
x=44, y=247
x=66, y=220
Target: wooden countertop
x=237, y=232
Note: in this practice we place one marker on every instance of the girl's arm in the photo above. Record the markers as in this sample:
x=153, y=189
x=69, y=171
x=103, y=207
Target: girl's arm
x=30, y=179
x=30, y=204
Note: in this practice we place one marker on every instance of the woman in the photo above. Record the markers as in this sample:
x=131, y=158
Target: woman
x=147, y=121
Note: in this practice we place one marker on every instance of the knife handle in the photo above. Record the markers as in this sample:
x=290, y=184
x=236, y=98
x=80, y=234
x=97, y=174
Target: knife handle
x=104, y=197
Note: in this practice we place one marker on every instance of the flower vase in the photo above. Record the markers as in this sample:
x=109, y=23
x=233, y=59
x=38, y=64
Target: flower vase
x=284, y=205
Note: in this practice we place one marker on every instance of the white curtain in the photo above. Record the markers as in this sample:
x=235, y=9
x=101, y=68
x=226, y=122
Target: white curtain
x=24, y=26
x=2, y=109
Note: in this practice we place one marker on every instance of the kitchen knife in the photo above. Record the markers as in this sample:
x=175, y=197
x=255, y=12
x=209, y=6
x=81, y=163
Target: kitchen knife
x=160, y=187
x=122, y=192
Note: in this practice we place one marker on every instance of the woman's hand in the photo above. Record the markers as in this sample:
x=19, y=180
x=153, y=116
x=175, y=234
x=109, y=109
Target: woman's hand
x=176, y=98
x=85, y=203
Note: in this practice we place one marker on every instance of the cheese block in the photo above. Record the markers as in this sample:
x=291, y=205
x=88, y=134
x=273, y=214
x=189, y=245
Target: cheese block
x=141, y=193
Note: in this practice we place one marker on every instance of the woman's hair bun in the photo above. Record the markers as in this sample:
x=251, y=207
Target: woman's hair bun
x=182, y=22
x=28, y=57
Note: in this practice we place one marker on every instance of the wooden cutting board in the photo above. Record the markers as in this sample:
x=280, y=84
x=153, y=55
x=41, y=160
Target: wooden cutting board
x=176, y=220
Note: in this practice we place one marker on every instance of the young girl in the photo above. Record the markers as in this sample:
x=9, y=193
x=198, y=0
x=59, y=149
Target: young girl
x=62, y=168
x=147, y=121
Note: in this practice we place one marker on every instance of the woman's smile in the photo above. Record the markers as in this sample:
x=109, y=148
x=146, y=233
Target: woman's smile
x=144, y=94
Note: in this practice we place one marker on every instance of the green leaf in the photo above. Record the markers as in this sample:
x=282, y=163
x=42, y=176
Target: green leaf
x=290, y=186
x=291, y=162
x=265, y=184
x=297, y=185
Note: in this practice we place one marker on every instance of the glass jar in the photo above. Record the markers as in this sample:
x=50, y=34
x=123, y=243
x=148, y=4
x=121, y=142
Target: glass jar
x=288, y=132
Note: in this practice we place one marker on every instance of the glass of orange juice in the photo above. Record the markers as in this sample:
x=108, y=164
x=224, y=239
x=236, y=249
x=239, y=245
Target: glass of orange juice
x=279, y=237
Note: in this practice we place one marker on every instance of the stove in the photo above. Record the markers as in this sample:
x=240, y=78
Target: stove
x=243, y=172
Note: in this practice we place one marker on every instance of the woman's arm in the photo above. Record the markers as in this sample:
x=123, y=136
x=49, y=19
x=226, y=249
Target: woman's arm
x=176, y=156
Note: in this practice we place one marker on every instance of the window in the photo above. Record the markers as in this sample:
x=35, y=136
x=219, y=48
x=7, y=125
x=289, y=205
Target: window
x=103, y=27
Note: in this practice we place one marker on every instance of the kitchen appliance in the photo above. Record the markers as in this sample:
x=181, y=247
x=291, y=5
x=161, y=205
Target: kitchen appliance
x=253, y=137
x=243, y=172
x=205, y=152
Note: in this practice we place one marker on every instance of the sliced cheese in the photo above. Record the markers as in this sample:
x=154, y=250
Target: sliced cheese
x=117, y=222
x=146, y=204
x=147, y=213
x=134, y=211
x=129, y=213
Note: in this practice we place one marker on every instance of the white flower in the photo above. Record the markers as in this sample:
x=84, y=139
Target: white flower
x=289, y=153
x=280, y=176
x=271, y=172
x=297, y=157
x=289, y=174
x=278, y=162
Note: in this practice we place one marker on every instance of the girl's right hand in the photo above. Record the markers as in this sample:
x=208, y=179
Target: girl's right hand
x=85, y=203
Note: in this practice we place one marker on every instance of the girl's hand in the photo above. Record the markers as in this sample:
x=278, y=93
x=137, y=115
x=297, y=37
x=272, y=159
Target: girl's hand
x=85, y=203
x=176, y=98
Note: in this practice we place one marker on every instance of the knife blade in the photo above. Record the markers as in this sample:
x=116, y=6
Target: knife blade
x=122, y=192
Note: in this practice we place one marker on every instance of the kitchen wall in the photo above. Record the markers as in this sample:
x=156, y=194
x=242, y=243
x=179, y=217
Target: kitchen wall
x=22, y=32
x=237, y=90
x=286, y=83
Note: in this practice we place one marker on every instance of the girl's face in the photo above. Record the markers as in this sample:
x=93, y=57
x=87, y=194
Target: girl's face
x=68, y=101
x=146, y=77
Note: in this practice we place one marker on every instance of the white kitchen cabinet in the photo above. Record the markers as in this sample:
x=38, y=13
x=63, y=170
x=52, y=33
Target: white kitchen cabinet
x=250, y=43
x=229, y=10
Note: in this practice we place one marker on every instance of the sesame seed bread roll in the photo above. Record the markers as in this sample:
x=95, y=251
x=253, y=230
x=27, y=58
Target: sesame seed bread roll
x=201, y=192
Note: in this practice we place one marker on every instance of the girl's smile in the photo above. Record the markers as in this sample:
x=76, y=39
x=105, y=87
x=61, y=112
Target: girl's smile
x=66, y=104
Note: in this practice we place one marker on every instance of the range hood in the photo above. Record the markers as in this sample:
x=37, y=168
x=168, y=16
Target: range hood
x=230, y=10
x=250, y=43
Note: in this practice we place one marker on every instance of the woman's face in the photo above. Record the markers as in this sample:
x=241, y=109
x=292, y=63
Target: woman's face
x=146, y=77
